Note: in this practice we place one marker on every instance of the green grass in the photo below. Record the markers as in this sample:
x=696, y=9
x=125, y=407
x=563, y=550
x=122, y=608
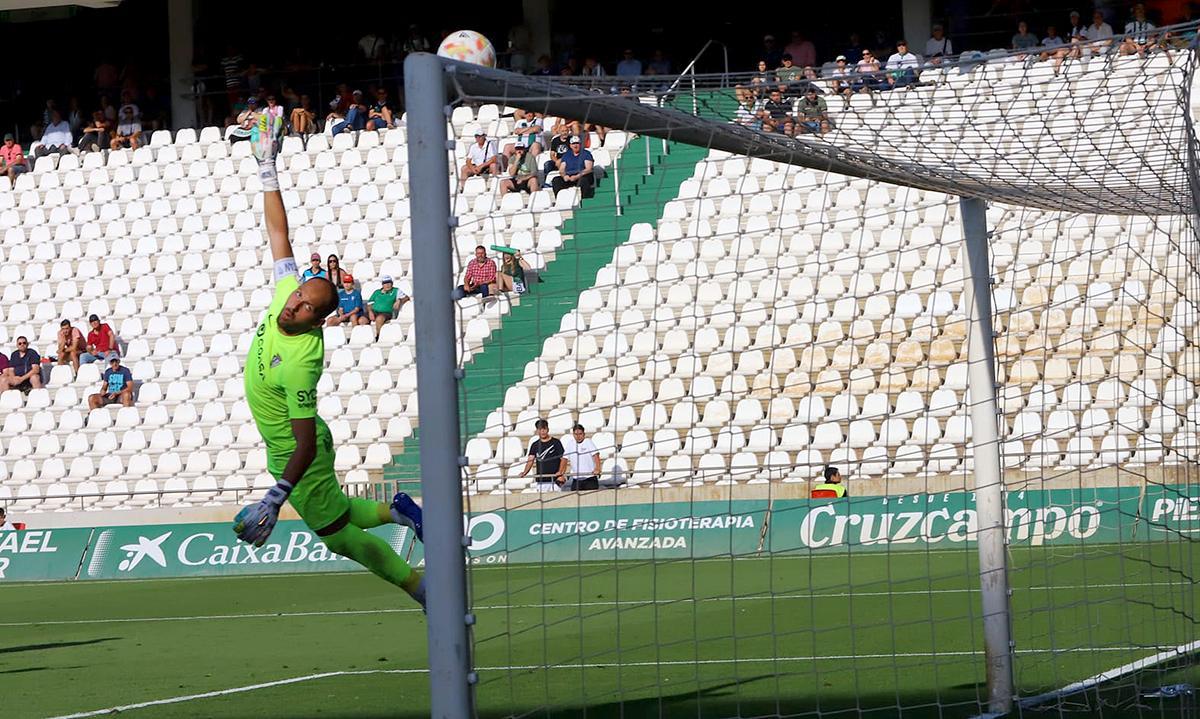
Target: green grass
x=873, y=634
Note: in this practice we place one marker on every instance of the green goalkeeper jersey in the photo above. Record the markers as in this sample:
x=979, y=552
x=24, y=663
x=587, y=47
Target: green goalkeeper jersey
x=281, y=376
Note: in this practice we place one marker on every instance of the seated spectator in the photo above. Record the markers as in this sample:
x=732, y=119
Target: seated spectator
x=116, y=385
x=481, y=159
x=351, y=309
x=775, y=111
x=129, y=128
x=583, y=461
x=548, y=454
x=659, y=64
x=1099, y=33
x=511, y=277
x=938, y=44
x=379, y=116
x=1138, y=33
x=838, y=81
x=787, y=128
x=356, y=115
x=334, y=273
x=902, y=66
x=385, y=303
x=560, y=145
x=1024, y=40
x=592, y=68
x=522, y=173
x=813, y=113
x=314, y=269
x=1052, y=41
x=101, y=342
x=629, y=66
x=336, y=115
x=528, y=130
x=575, y=170
x=12, y=158
x=832, y=486
x=303, y=119
x=96, y=135
x=24, y=369
x=246, y=120
x=57, y=137
x=5, y=525
x=479, y=278
x=868, y=69
x=761, y=79
x=70, y=344
x=788, y=74
x=747, y=110
x=543, y=68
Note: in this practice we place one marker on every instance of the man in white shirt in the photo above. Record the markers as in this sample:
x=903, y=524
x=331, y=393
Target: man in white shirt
x=5, y=525
x=481, y=159
x=902, y=66
x=1099, y=33
x=583, y=458
x=57, y=137
x=1137, y=32
x=939, y=45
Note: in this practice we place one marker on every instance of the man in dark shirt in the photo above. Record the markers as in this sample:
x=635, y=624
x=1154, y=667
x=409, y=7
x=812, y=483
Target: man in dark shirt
x=560, y=145
x=551, y=459
x=116, y=385
x=774, y=111
x=24, y=369
x=575, y=170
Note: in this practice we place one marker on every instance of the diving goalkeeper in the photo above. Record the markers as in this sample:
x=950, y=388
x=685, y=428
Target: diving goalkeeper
x=286, y=359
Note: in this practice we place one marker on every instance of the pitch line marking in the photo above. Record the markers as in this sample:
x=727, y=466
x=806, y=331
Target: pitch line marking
x=547, y=667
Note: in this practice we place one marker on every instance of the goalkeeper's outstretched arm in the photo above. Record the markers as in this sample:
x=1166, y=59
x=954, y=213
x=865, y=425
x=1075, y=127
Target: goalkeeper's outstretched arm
x=264, y=141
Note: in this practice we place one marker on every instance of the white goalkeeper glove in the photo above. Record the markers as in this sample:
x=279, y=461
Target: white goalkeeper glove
x=264, y=142
x=254, y=523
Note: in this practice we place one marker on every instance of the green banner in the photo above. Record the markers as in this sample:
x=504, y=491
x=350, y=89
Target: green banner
x=665, y=530
x=193, y=550
x=40, y=554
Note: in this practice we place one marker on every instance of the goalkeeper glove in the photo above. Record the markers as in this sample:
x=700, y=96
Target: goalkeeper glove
x=254, y=523
x=264, y=142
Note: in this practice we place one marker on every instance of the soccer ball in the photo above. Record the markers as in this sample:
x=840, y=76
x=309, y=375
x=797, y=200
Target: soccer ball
x=468, y=46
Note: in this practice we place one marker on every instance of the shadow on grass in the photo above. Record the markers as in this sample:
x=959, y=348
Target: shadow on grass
x=54, y=645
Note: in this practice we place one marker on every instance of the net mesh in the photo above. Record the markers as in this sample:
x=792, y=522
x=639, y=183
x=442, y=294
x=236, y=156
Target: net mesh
x=734, y=310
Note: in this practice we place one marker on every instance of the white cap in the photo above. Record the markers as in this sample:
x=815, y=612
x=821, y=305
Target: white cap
x=385, y=278
x=573, y=140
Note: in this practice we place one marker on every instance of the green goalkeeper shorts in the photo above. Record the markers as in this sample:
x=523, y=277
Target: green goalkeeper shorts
x=318, y=498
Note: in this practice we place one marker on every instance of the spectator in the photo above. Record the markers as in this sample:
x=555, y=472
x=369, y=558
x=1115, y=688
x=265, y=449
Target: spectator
x=479, y=277
x=801, y=49
x=855, y=47
x=273, y=108
x=788, y=75
x=385, y=303
x=334, y=273
x=1024, y=40
x=775, y=111
x=481, y=159
x=314, y=269
x=57, y=137
x=522, y=173
x=575, y=170
x=97, y=135
x=527, y=129
x=303, y=119
x=5, y=525
x=335, y=116
x=356, y=115
x=231, y=67
x=110, y=112
x=831, y=487
x=12, y=158
x=511, y=277
x=629, y=66
x=129, y=128
x=660, y=64
x=379, y=116
x=415, y=42
x=938, y=45
x=1052, y=41
x=549, y=456
x=24, y=368
x=350, y=308
x=902, y=66
x=543, y=68
x=101, y=342
x=583, y=458
x=1138, y=35
x=246, y=120
x=1099, y=33
x=116, y=385
x=761, y=78
x=747, y=110
x=837, y=76
x=592, y=68
x=372, y=47
x=868, y=70
x=560, y=145
x=70, y=344
x=1077, y=29
x=813, y=112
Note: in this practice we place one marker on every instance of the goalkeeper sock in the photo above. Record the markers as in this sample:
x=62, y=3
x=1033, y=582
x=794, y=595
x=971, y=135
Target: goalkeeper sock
x=366, y=514
x=371, y=552
x=268, y=175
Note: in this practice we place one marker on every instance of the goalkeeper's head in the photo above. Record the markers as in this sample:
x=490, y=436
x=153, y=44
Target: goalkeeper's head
x=308, y=306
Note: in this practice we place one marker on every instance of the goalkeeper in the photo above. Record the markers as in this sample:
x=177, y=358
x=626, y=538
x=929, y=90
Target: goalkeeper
x=286, y=359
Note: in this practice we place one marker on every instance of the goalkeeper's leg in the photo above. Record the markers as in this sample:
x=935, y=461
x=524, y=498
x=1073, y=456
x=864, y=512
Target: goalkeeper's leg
x=355, y=543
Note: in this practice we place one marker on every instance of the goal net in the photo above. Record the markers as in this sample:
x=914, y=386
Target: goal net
x=739, y=301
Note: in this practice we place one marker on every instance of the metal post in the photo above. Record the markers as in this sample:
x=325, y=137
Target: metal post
x=616, y=173
x=989, y=479
x=450, y=675
x=649, y=169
